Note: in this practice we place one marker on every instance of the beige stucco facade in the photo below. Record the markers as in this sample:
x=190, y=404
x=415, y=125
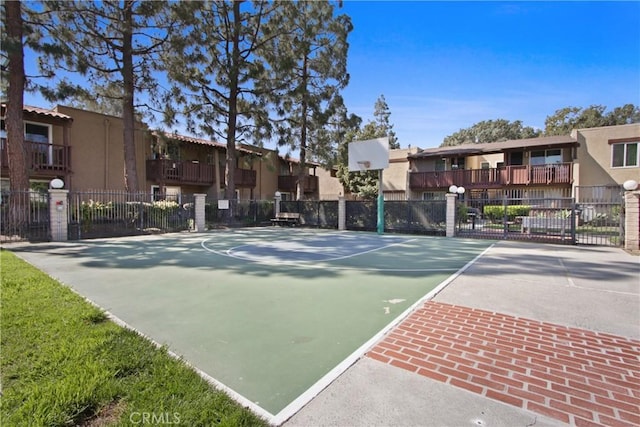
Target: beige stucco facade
x=97, y=157
x=595, y=155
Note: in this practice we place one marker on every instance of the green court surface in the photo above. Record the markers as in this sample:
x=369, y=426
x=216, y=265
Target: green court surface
x=272, y=314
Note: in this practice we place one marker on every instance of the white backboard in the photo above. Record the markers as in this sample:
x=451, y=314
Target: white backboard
x=372, y=154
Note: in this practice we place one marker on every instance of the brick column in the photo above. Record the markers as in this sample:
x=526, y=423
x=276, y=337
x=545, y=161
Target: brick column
x=632, y=220
x=200, y=200
x=58, y=214
x=342, y=213
x=276, y=205
x=451, y=214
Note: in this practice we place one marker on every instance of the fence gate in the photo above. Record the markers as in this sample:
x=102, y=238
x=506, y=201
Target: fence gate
x=24, y=216
x=552, y=220
x=600, y=219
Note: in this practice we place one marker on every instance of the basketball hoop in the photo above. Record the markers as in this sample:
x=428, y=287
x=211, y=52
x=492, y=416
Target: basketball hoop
x=364, y=164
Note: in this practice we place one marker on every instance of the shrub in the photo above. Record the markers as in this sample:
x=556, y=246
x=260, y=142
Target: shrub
x=497, y=212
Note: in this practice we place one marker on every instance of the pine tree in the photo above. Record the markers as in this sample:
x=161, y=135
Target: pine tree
x=382, y=115
x=114, y=45
x=13, y=56
x=308, y=66
x=217, y=74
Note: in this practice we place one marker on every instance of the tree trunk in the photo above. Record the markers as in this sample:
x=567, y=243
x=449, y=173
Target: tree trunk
x=128, y=113
x=230, y=190
x=302, y=172
x=16, y=149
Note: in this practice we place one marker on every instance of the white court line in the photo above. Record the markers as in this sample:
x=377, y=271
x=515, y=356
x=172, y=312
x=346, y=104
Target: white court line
x=261, y=412
x=294, y=407
x=229, y=253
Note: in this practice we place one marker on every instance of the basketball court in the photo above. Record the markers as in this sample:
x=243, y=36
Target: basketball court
x=272, y=314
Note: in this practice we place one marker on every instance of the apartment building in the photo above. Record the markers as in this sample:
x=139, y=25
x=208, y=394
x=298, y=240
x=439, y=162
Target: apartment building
x=85, y=150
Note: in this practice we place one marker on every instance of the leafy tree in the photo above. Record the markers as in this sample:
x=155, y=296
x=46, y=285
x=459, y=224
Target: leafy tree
x=624, y=115
x=114, y=45
x=217, y=73
x=491, y=131
x=308, y=64
x=564, y=120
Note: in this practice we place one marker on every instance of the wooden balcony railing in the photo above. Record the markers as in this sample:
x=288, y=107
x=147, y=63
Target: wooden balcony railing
x=42, y=159
x=553, y=174
x=287, y=183
x=245, y=178
x=242, y=178
x=178, y=172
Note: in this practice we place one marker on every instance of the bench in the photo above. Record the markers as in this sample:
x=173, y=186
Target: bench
x=287, y=218
x=545, y=223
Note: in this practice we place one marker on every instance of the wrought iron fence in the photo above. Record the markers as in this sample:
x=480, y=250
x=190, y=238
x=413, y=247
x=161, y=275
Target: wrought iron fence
x=314, y=213
x=238, y=213
x=24, y=216
x=600, y=215
x=416, y=216
x=406, y=216
x=543, y=219
x=94, y=214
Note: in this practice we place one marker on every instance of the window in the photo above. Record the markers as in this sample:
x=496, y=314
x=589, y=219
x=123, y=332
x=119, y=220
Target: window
x=430, y=195
x=546, y=157
x=515, y=158
x=624, y=154
x=485, y=165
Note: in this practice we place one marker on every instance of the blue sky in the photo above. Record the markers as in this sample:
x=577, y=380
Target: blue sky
x=444, y=66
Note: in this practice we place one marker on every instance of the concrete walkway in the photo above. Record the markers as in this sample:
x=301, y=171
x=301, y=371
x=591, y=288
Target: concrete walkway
x=530, y=334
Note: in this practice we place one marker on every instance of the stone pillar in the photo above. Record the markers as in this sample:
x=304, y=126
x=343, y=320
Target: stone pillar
x=342, y=213
x=58, y=214
x=200, y=200
x=632, y=220
x=451, y=214
x=276, y=206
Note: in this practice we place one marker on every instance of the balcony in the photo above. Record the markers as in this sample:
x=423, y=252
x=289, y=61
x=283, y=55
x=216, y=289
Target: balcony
x=551, y=175
x=178, y=172
x=287, y=183
x=43, y=160
x=242, y=178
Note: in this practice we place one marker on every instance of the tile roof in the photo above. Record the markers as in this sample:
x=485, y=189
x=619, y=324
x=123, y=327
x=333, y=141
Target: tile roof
x=41, y=112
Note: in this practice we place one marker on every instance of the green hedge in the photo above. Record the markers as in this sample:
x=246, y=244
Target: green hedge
x=497, y=212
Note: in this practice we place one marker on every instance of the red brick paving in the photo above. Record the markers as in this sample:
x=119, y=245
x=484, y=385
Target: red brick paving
x=576, y=376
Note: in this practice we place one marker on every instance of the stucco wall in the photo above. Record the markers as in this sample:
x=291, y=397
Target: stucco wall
x=594, y=155
x=97, y=153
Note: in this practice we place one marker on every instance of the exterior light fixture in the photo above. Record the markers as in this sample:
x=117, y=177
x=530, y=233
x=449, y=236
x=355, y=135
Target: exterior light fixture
x=278, y=194
x=630, y=185
x=454, y=189
x=56, y=183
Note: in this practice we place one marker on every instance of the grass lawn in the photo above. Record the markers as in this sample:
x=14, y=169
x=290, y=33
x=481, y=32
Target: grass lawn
x=64, y=363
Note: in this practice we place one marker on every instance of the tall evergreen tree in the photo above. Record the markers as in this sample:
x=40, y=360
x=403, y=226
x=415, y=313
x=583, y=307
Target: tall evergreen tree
x=308, y=65
x=217, y=73
x=382, y=115
x=13, y=55
x=114, y=45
